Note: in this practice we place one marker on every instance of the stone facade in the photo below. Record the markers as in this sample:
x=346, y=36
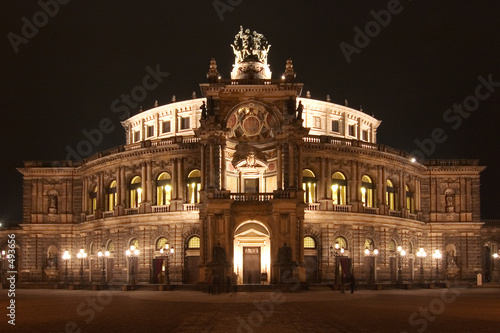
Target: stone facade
x=229, y=178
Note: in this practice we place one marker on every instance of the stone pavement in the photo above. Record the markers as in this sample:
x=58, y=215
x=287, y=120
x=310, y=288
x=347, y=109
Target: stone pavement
x=436, y=310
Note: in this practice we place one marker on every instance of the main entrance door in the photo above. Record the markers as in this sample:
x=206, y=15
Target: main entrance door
x=251, y=265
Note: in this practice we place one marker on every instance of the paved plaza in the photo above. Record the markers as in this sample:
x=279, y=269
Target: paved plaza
x=424, y=310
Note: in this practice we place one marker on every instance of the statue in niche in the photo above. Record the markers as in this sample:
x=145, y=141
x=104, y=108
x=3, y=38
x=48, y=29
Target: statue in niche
x=285, y=254
x=219, y=254
x=203, y=111
x=53, y=204
x=450, y=206
x=52, y=259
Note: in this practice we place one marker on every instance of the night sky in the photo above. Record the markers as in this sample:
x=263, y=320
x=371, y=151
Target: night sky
x=65, y=76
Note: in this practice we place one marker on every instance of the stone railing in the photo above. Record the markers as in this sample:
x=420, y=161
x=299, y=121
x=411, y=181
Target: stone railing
x=191, y=207
x=395, y=213
x=413, y=216
x=251, y=196
x=160, y=209
x=131, y=211
x=90, y=217
x=109, y=213
x=342, y=208
x=313, y=206
x=370, y=210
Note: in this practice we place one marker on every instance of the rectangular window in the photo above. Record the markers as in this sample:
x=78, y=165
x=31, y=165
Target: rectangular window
x=151, y=131
x=365, y=135
x=165, y=128
x=185, y=123
x=335, y=126
x=137, y=136
x=352, y=130
x=317, y=122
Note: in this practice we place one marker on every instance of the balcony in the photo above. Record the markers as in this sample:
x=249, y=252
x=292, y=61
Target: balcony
x=251, y=196
x=342, y=208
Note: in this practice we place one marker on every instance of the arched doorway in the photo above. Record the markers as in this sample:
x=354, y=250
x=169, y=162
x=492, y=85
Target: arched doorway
x=252, y=253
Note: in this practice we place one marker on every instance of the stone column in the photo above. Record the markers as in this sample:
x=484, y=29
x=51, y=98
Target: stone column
x=174, y=184
x=144, y=183
x=279, y=168
x=150, y=182
x=212, y=171
x=85, y=195
x=180, y=181
x=223, y=166
x=291, y=178
x=203, y=168
x=299, y=167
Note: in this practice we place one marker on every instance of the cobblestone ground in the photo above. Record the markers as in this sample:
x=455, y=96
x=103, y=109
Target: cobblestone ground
x=437, y=310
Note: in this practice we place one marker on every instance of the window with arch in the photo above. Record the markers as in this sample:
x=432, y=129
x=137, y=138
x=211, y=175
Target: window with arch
x=309, y=243
x=389, y=194
x=110, y=247
x=135, y=192
x=112, y=197
x=194, y=242
x=369, y=245
x=342, y=242
x=161, y=243
x=410, y=199
x=163, y=189
x=135, y=243
x=93, y=200
x=339, y=186
x=392, y=246
x=367, y=191
x=194, y=186
x=309, y=186
x=92, y=249
x=410, y=247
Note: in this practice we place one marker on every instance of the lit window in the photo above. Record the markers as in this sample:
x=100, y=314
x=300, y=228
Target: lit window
x=309, y=242
x=93, y=200
x=137, y=136
x=339, y=186
x=194, y=242
x=185, y=123
x=165, y=127
x=112, y=198
x=111, y=247
x=317, y=122
x=309, y=186
x=151, y=131
x=163, y=189
x=352, y=130
x=367, y=191
x=335, y=126
x=365, y=135
x=392, y=246
x=410, y=199
x=342, y=242
x=135, y=243
x=369, y=244
x=194, y=186
x=161, y=243
x=135, y=192
x=389, y=195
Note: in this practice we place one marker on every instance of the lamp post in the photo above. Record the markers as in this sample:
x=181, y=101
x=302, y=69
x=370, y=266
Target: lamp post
x=131, y=254
x=437, y=255
x=82, y=255
x=371, y=255
x=336, y=252
x=66, y=257
x=421, y=254
x=400, y=254
x=166, y=256
x=104, y=255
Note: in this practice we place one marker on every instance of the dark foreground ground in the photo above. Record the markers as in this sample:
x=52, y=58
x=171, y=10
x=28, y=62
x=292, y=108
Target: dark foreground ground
x=437, y=310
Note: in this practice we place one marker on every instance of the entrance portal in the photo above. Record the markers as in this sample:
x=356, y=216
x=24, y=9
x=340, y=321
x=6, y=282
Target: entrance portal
x=252, y=253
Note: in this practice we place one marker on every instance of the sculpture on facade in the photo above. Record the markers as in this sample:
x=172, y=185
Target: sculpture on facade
x=449, y=200
x=300, y=108
x=250, y=46
x=285, y=254
x=203, y=111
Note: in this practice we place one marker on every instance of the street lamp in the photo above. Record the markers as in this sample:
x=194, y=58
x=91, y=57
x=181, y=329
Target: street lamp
x=437, y=255
x=335, y=252
x=165, y=253
x=371, y=255
x=66, y=257
x=400, y=254
x=82, y=255
x=104, y=255
x=131, y=254
x=421, y=254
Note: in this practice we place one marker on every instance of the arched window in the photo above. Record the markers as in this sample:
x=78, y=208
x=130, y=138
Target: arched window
x=392, y=246
x=135, y=243
x=194, y=242
x=194, y=186
x=93, y=200
x=339, y=186
x=367, y=191
x=410, y=199
x=110, y=247
x=389, y=195
x=369, y=245
x=161, y=243
x=135, y=192
x=342, y=242
x=410, y=247
x=92, y=249
x=309, y=186
x=112, y=198
x=163, y=189
x=309, y=243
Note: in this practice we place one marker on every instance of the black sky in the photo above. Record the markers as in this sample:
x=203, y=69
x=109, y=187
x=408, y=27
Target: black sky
x=427, y=58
